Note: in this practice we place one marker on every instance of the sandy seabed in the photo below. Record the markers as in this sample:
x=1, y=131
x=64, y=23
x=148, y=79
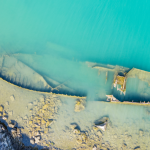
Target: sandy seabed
x=128, y=126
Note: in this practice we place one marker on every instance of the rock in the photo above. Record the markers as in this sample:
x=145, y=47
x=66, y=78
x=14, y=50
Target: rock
x=94, y=148
x=49, y=122
x=84, y=137
x=43, y=121
x=137, y=148
x=124, y=145
x=32, y=141
x=1, y=114
x=2, y=127
x=14, y=130
x=37, y=125
x=73, y=126
x=42, y=99
x=5, y=138
x=95, y=128
x=129, y=137
x=25, y=117
x=102, y=123
x=11, y=124
x=115, y=136
x=18, y=131
x=37, y=139
x=76, y=131
x=1, y=108
x=12, y=98
x=99, y=134
x=66, y=128
x=45, y=106
x=7, y=103
x=37, y=133
x=4, y=113
x=10, y=113
x=104, y=148
x=141, y=132
x=79, y=141
x=80, y=105
x=30, y=122
x=30, y=104
x=31, y=110
x=5, y=117
x=7, y=142
x=102, y=126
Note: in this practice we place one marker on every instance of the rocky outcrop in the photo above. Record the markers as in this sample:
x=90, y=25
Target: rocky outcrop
x=11, y=141
x=6, y=140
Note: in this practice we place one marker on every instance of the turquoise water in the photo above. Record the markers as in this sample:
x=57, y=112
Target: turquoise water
x=58, y=35
x=113, y=32
x=56, y=38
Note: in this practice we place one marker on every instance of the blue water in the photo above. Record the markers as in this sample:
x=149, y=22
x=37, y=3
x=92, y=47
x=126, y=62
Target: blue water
x=58, y=35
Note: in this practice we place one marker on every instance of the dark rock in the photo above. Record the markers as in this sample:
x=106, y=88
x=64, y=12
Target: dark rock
x=8, y=142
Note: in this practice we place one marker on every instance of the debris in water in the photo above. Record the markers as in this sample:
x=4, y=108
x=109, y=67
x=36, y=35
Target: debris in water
x=102, y=123
x=80, y=105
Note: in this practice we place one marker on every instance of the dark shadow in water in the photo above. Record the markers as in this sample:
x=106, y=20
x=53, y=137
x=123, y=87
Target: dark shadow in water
x=61, y=91
x=101, y=120
x=132, y=97
x=76, y=126
x=100, y=99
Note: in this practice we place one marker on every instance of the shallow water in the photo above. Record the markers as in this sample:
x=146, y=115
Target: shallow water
x=56, y=39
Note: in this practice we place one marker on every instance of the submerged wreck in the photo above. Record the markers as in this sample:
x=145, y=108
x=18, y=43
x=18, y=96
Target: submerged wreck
x=127, y=81
x=14, y=71
x=120, y=83
x=113, y=76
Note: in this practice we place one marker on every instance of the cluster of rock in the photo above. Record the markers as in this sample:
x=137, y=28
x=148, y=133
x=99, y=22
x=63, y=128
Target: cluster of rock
x=102, y=123
x=91, y=138
x=15, y=132
x=81, y=136
x=42, y=117
x=13, y=140
x=80, y=105
x=5, y=138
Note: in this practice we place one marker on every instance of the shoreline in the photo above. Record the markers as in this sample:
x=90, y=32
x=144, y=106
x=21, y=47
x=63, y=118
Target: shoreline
x=60, y=131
